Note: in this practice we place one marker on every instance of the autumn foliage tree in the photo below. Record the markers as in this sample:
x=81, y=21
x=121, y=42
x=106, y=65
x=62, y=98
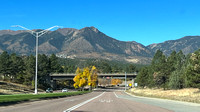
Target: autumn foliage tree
x=116, y=81
x=77, y=78
x=87, y=76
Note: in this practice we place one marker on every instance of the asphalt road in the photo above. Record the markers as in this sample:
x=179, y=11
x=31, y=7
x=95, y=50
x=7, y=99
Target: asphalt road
x=103, y=101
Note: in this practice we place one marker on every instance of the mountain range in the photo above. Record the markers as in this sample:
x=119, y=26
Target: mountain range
x=187, y=44
x=89, y=42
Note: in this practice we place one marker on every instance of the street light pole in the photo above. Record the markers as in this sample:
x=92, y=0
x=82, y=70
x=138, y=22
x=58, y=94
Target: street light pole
x=36, y=62
x=37, y=35
x=125, y=81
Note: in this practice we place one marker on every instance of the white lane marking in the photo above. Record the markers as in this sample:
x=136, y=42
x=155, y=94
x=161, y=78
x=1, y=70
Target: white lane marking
x=106, y=101
x=116, y=95
x=102, y=100
x=76, y=106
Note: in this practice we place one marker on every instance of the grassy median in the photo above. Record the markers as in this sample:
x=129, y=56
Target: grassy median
x=11, y=99
x=187, y=94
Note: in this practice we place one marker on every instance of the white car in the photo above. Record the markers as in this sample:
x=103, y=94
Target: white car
x=64, y=90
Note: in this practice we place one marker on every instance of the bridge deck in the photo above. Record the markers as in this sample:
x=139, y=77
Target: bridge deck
x=100, y=74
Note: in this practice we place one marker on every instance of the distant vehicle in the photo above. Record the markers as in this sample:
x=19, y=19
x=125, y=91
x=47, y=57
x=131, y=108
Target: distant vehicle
x=64, y=90
x=49, y=90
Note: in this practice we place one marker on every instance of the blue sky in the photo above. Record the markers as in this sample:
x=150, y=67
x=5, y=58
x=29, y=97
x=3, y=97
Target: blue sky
x=143, y=21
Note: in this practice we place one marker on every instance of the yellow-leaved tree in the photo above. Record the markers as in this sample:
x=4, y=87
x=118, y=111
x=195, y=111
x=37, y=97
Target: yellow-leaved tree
x=116, y=81
x=88, y=76
x=84, y=74
x=92, y=78
x=77, y=78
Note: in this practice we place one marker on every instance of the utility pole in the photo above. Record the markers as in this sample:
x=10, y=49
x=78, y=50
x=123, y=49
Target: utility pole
x=37, y=35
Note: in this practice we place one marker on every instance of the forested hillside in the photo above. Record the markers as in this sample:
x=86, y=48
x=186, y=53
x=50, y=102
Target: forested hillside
x=173, y=72
x=21, y=69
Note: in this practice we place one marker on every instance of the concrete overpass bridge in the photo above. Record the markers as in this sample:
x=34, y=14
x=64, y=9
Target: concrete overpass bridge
x=100, y=75
x=67, y=76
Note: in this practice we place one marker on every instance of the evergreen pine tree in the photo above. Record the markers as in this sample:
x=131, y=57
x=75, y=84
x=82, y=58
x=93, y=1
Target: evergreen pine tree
x=5, y=66
x=176, y=80
x=17, y=68
x=29, y=75
x=160, y=69
x=55, y=67
x=43, y=71
x=142, y=77
x=193, y=70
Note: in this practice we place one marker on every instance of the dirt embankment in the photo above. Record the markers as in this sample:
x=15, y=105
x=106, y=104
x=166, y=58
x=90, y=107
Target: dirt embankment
x=13, y=88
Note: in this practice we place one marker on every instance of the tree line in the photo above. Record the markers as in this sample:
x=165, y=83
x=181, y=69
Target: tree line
x=21, y=69
x=173, y=72
x=103, y=66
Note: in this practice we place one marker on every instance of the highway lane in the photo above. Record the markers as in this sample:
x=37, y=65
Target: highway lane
x=110, y=102
x=107, y=101
x=52, y=105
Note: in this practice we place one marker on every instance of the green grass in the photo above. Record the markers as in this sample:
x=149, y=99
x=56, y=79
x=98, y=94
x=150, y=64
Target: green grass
x=10, y=99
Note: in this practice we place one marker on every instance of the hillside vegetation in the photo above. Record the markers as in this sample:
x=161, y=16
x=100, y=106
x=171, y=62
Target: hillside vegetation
x=175, y=77
x=21, y=69
x=187, y=94
x=176, y=71
x=14, y=88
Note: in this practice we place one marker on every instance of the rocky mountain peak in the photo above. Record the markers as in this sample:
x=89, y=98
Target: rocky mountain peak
x=187, y=44
x=89, y=42
x=90, y=29
x=66, y=31
x=11, y=32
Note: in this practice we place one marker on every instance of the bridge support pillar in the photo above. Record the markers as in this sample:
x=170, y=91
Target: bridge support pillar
x=53, y=84
x=133, y=82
